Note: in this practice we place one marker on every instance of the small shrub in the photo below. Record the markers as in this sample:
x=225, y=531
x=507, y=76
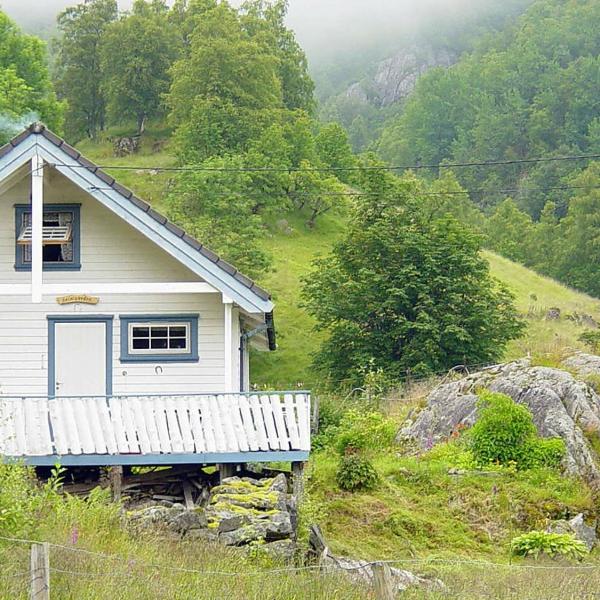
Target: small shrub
x=505, y=434
x=453, y=454
x=356, y=472
x=546, y=452
x=535, y=543
x=591, y=338
x=364, y=431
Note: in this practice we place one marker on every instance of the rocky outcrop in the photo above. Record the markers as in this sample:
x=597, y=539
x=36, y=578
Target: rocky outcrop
x=396, y=76
x=361, y=571
x=561, y=405
x=578, y=528
x=584, y=365
x=239, y=511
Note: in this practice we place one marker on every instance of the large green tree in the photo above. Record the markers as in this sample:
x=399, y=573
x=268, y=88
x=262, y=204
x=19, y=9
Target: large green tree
x=26, y=91
x=265, y=21
x=79, y=75
x=137, y=53
x=406, y=289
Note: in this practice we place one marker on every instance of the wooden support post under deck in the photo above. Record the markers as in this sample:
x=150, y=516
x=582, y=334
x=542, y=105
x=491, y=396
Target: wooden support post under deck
x=116, y=481
x=37, y=224
x=297, y=493
x=226, y=470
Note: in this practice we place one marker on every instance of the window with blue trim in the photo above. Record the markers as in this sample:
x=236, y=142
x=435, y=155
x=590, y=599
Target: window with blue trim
x=60, y=237
x=159, y=338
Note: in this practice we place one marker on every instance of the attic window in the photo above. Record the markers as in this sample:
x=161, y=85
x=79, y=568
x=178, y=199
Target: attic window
x=60, y=237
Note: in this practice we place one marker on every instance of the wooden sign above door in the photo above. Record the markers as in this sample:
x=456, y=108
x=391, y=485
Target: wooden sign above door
x=78, y=299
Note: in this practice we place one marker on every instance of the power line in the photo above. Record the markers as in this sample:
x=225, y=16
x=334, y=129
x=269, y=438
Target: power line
x=309, y=195
x=258, y=169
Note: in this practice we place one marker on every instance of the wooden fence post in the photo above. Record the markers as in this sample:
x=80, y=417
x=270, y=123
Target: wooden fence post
x=383, y=582
x=40, y=572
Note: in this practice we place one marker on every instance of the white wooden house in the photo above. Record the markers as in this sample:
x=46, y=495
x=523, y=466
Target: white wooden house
x=122, y=339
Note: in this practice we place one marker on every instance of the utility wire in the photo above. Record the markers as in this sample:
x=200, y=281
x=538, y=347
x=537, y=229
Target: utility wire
x=309, y=195
x=198, y=168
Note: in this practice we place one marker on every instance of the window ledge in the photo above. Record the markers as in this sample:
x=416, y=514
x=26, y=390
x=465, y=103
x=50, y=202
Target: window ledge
x=51, y=267
x=159, y=358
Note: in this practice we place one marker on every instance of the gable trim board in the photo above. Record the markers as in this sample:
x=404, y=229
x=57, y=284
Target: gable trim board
x=37, y=140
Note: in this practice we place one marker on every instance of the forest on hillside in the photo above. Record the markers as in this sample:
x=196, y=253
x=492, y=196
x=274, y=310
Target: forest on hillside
x=231, y=91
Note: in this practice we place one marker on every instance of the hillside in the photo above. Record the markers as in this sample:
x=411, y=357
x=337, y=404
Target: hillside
x=293, y=246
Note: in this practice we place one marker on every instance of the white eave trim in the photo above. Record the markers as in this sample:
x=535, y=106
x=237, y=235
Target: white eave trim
x=136, y=217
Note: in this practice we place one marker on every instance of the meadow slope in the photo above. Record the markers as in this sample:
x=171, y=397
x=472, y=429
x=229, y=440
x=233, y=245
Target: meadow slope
x=293, y=246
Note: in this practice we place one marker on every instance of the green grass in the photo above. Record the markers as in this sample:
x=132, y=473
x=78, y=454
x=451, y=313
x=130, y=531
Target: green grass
x=293, y=251
x=293, y=246
x=154, y=152
x=535, y=294
x=420, y=510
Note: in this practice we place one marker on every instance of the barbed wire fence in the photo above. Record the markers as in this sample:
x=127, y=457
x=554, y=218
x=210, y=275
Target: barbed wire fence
x=49, y=560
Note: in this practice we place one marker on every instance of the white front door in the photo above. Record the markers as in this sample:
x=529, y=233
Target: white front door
x=80, y=359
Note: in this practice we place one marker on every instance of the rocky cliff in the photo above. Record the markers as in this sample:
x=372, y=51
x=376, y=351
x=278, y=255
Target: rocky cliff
x=395, y=77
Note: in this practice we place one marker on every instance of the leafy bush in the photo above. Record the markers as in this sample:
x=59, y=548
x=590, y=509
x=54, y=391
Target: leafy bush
x=535, y=543
x=364, y=431
x=453, y=454
x=547, y=452
x=356, y=472
x=505, y=434
x=591, y=338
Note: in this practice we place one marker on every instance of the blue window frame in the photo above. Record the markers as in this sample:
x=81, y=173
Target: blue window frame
x=57, y=256
x=159, y=338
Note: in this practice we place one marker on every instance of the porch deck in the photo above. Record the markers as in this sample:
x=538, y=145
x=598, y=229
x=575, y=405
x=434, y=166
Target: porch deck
x=150, y=430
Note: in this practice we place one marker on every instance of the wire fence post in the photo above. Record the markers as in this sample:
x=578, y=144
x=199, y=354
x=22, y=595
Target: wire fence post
x=383, y=582
x=40, y=572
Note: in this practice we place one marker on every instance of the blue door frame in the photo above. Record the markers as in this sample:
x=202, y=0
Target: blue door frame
x=53, y=320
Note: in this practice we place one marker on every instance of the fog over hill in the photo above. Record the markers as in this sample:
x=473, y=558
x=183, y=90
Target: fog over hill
x=325, y=28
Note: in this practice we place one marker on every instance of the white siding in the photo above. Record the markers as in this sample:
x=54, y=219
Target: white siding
x=111, y=251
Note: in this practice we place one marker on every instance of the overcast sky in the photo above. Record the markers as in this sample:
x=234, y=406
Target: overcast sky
x=323, y=27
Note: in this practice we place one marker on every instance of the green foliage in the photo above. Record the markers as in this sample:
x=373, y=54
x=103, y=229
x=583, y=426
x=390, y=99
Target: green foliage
x=392, y=293
x=355, y=472
x=214, y=205
x=25, y=86
x=505, y=434
x=508, y=230
x=137, y=52
x=364, y=430
x=79, y=78
x=528, y=90
x=536, y=543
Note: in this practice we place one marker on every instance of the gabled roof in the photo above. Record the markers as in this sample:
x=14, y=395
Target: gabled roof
x=84, y=173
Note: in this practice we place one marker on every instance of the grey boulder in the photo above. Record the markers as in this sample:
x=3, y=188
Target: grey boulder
x=562, y=406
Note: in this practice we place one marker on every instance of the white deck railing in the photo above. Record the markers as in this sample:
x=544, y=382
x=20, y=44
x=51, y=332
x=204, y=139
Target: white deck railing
x=190, y=424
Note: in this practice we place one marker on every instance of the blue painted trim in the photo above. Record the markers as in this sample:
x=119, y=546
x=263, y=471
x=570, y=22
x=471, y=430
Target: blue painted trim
x=186, y=395
x=191, y=319
x=144, y=223
x=20, y=265
x=162, y=459
x=53, y=320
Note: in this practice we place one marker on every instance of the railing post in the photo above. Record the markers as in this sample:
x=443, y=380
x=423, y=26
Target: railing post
x=40, y=572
